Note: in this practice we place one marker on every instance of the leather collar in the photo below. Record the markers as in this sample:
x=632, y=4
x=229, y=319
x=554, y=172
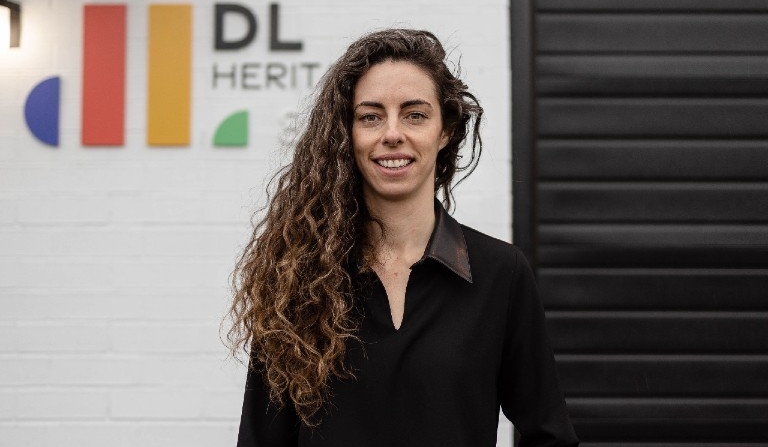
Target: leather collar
x=447, y=244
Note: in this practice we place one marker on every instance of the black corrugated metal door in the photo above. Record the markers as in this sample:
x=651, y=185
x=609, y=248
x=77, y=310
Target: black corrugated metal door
x=640, y=132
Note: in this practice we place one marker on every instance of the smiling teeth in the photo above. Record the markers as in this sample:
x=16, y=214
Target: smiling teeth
x=394, y=163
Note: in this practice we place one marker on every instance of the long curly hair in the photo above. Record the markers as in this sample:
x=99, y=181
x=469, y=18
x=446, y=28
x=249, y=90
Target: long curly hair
x=293, y=311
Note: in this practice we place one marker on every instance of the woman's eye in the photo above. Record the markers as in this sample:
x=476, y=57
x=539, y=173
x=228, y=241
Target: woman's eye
x=416, y=116
x=369, y=118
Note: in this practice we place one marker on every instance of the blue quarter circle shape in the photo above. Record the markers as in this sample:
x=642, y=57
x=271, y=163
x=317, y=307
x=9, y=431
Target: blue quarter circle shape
x=41, y=110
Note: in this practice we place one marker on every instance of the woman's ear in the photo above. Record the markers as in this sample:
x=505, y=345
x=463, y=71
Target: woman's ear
x=445, y=137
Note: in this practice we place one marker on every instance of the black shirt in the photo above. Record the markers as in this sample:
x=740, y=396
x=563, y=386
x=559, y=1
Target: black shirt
x=472, y=340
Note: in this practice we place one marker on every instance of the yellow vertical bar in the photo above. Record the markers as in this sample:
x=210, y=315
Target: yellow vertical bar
x=169, y=75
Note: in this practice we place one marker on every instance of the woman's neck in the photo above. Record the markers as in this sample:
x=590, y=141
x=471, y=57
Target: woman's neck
x=407, y=227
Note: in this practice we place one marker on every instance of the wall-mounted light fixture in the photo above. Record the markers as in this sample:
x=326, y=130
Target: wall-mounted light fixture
x=13, y=24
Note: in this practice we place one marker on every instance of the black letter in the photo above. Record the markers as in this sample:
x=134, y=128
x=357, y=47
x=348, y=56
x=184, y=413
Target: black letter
x=223, y=8
x=271, y=76
x=310, y=66
x=223, y=74
x=274, y=32
x=245, y=74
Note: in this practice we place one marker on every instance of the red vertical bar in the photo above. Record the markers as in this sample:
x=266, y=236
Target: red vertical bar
x=103, y=111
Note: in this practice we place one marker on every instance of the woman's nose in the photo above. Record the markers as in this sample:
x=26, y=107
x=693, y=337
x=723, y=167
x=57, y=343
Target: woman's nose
x=392, y=134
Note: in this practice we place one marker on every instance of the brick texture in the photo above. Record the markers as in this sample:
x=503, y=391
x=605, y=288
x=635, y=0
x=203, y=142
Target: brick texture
x=114, y=262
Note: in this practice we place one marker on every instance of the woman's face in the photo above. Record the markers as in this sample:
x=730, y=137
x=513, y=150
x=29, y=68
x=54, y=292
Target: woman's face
x=397, y=132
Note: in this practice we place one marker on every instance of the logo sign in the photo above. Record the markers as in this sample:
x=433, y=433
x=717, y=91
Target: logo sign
x=259, y=75
x=169, y=74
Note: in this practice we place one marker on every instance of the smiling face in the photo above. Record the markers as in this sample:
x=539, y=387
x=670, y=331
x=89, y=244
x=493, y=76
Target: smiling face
x=397, y=132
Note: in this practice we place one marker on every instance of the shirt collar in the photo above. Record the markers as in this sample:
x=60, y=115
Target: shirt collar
x=447, y=244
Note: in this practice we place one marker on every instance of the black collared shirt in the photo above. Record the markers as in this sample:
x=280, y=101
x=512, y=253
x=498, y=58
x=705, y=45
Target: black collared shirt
x=472, y=340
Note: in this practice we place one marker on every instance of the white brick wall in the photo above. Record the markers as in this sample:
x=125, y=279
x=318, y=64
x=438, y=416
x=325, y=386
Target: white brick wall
x=114, y=262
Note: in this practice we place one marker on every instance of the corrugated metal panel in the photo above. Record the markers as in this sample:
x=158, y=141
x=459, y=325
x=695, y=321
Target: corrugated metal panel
x=715, y=290
x=653, y=202
x=659, y=332
x=642, y=32
x=653, y=160
x=647, y=219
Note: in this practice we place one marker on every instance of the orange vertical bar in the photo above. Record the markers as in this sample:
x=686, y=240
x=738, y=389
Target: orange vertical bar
x=169, y=75
x=103, y=106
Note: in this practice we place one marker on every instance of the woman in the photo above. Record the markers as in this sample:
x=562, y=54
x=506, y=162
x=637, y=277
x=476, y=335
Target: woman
x=373, y=318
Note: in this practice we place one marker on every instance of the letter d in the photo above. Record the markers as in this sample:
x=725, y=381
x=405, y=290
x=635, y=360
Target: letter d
x=223, y=8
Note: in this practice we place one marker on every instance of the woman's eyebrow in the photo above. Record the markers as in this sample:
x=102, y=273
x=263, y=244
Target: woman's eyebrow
x=415, y=102
x=403, y=105
x=373, y=104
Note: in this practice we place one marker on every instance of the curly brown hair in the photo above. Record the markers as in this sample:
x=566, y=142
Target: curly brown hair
x=293, y=310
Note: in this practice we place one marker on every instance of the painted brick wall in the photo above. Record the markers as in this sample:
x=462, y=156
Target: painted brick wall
x=114, y=262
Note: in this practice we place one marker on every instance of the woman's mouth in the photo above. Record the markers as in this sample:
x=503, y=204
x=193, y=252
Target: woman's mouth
x=394, y=163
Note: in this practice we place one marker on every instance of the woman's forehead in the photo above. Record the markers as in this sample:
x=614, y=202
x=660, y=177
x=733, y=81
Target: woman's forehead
x=395, y=81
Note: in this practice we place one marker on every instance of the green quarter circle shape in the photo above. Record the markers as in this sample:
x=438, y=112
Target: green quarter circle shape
x=233, y=131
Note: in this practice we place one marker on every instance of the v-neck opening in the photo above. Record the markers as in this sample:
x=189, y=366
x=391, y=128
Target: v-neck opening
x=390, y=319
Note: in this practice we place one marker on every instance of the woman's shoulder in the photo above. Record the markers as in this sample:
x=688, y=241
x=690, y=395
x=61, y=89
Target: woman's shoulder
x=484, y=248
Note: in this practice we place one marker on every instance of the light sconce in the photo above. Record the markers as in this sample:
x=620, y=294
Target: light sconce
x=13, y=23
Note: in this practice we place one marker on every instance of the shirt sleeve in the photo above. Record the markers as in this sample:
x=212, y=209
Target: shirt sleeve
x=530, y=391
x=261, y=423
